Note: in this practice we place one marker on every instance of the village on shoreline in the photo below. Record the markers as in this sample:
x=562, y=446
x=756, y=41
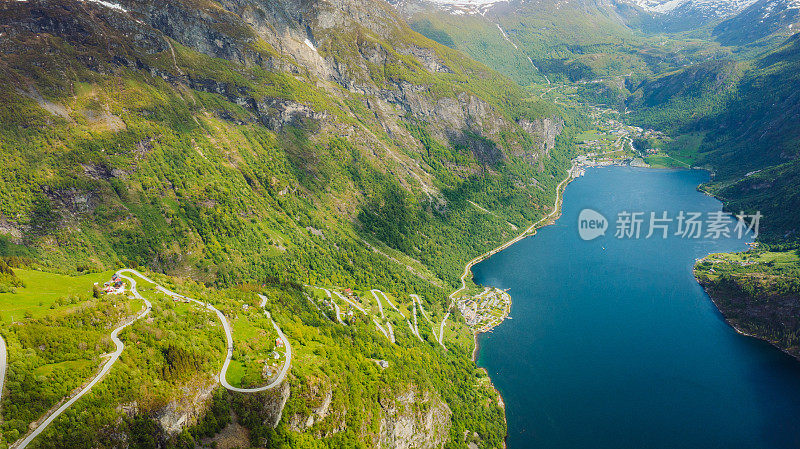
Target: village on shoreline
x=484, y=308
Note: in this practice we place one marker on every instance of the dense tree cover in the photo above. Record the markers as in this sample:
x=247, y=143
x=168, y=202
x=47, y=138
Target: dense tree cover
x=8, y=280
x=50, y=356
x=673, y=102
x=173, y=355
x=183, y=175
x=744, y=113
x=758, y=291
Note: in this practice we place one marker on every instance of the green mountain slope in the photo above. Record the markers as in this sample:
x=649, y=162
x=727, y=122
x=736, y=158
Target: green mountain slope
x=245, y=147
x=745, y=118
x=747, y=113
x=181, y=150
x=481, y=39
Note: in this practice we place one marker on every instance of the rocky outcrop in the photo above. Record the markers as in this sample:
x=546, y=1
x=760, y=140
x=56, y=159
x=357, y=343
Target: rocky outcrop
x=337, y=46
x=276, y=113
x=274, y=403
x=414, y=419
x=545, y=129
x=429, y=59
x=10, y=231
x=268, y=405
x=185, y=410
x=323, y=396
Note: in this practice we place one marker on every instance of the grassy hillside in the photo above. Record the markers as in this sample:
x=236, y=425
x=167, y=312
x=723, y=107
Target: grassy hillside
x=169, y=360
x=238, y=150
x=479, y=38
x=746, y=114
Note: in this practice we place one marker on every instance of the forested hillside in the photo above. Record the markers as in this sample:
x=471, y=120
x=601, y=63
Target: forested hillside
x=747, y=115
x=201, y=148
x=242, y=148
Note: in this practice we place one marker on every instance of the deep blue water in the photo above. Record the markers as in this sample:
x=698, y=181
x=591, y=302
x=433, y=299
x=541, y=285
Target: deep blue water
x=614, y=345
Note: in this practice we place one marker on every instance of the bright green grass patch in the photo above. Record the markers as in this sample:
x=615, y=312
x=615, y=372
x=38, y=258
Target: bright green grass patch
x=592, y=135
x=685, y=147
x=235, y=373
x=43, y=290
x=69, y=365
x=773, y=257
x=247, y=327
x=663, y=161
x=254, y=342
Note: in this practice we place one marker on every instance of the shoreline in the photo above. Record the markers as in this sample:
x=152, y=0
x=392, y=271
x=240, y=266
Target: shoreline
x=738, y=329
x=529, y=231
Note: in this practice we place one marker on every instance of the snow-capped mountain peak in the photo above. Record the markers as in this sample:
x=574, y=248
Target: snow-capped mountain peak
x=706, y=8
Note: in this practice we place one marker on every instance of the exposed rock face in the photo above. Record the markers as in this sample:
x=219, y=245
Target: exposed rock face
x=429, y=59
x=345, y=48
x=273, y=403
x=414, y=420
x=185, y=411
x=324, y=395
x=547, y=129
x=268, y=405
x=306, y=32
x=410, y=419
x=73, y=203
x=11, y=231
x=275, y=113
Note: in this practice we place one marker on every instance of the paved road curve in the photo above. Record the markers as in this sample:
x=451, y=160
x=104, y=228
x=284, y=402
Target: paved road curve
x=106, y=368
x=385, y=298
x=344, y=298
x=229, y=338
x=531, y=230
x=3, y=360
x=378, y=300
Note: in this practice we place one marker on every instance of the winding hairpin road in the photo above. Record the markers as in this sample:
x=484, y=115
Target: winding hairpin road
x=3, y=360
x=347, y=300
x=229, y=338
x=120, y=346
x=106, y=368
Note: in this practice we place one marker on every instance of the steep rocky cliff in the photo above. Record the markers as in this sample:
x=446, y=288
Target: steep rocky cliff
x=348, y=69
x=414, y=420
x=250, y=143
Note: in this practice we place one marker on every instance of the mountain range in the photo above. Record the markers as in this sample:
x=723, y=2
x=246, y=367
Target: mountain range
x=314, y=151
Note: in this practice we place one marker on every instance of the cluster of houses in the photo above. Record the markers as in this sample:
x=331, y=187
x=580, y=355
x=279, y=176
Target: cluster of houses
x=486, y=309
x=469, y=310
x=115, y=286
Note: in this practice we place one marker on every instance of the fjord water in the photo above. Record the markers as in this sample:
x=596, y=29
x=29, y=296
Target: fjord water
x=613, y=344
